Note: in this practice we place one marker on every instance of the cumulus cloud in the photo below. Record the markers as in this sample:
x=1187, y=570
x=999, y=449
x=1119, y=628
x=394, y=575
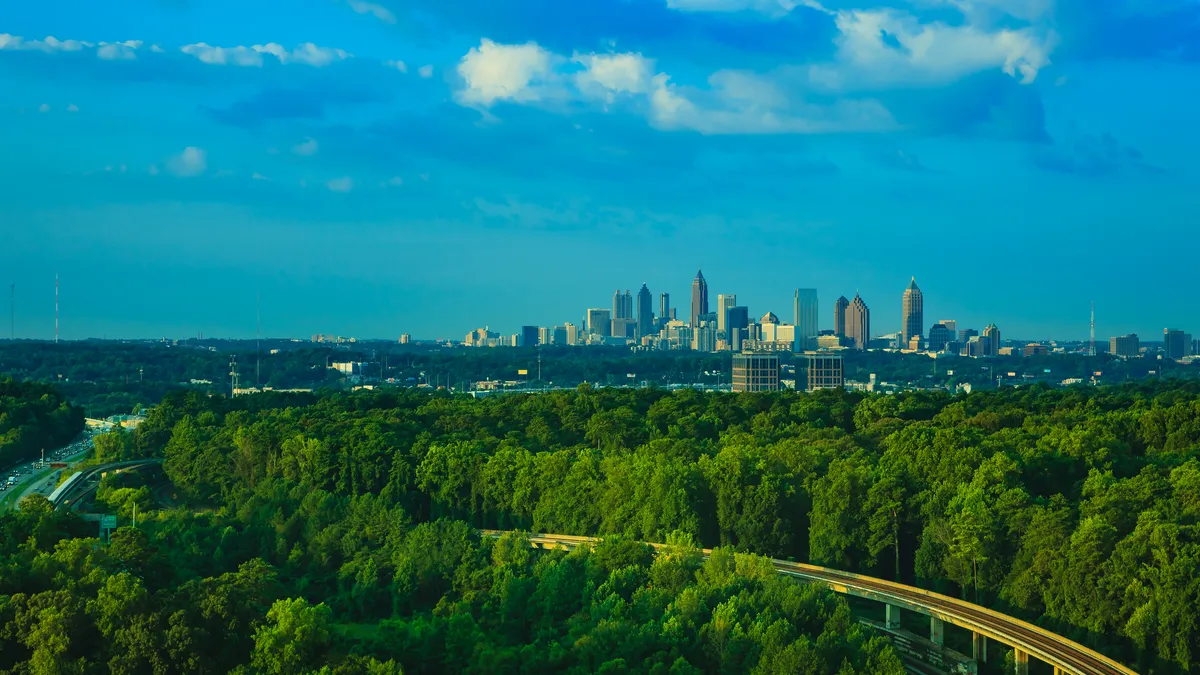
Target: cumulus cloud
x=192, y=161
x=344, y=184
x=398, y=65
x=493, y=72
x=305, y=54
x=306, y=149
x=378, y=11
x=769, y=7
x=119, y=51
x=49, y=45
x=608, y=74
x=425, y=71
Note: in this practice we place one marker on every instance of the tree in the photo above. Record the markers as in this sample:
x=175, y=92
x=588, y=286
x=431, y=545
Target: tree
x=293, y=638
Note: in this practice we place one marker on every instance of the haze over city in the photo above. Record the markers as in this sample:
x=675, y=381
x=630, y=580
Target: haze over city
x=431, y=167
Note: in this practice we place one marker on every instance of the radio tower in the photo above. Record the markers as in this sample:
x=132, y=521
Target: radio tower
x=1092, y=347
x=233, y=376
x=56, y=308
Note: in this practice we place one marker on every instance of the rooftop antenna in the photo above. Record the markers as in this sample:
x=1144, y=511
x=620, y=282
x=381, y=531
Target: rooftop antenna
x=56, y=308
x=1092, y=347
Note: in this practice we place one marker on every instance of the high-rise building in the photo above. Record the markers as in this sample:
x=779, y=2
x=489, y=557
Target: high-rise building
x=755, y=372
x=664, y=307
x=405, y=338
x=737, y=320
x=560, y=335
x=699, y=298
x=839, y=316
x=624, y=328
x=912, y=317
x=804, y=307
x=572, y=333
x=599, y=322
x=993, y=338
x=825, y=371
x=724, y=302
x=1035, y=349
x=966, y=334
x=1176, y=344
x=618, y=309
x=545, y=335
x=858, y=322
x=704, y=335
x=645, y=313
x=975, y=346
x=951, y=325
x=939, y=336
x=528, y=336
x=1125, y=346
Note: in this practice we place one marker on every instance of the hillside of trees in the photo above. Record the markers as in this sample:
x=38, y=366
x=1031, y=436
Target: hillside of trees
x=33, y=417
x=1074, y=508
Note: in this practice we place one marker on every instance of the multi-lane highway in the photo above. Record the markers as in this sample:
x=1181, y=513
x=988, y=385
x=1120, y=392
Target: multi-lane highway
x=34, y=477
x=1028, y=640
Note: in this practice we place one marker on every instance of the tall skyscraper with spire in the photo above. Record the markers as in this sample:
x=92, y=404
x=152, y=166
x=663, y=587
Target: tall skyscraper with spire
x=664, y=307
x=912, y=317
x=699, y=298
x=839, y=316
x=858, y=322
x=645, y=313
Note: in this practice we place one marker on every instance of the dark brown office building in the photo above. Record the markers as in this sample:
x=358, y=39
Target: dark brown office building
x=825, y=371
x=858, y=322
x=699, y=298
x=839, y=316
x=755, y=372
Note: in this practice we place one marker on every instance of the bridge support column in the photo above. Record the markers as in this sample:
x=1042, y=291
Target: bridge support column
x=979, y=647
x=1020, y=662
x=937, y=632
x=892, y=617
x=1059, y=671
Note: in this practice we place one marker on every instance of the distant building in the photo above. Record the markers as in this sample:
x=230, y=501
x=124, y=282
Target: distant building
x=529, y=336
x=623, y=328
x=737, y=321
x=664, y=308
x=699, y=299
x=825, y=371
x=599, y=322
x=1035, y=349
x=349, y=368
x=839, y=315
x=560, y=335
x=405, y=338
x=725, y=301
x=545, y=335
x=966, y=334
x=645, y=313
x=479, y=337
x=572, y=333
x=755, y=372
x=704, y=335
x=912, y=317
x=940, y=335
x=975, y=347
x=1176, y=344
x=916, y=343
x=950, y=325
x=858, y=322
x=805, y=318
x=834, y=342
x=778, y=332
x=993, y=339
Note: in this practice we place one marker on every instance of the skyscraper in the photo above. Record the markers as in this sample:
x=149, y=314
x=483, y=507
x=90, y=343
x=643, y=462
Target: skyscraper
x=724, y=302
x=939, y=336
x=664, y=307
x=529, y=336
x=618, y=310
x=645, y=313
x=805, y=310
x=839, y=316
x=699, y=298
x=599, y=322
x=993, y=340
x=912, y=318
x=737, y=320
x=858, y=322
x=1176, y=344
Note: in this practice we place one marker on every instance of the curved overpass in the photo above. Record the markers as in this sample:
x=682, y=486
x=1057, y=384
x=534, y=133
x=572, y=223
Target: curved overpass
x=1028, y=640
x=79, y=484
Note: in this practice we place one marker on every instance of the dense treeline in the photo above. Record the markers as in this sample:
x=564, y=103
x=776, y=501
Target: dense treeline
x=1075, y=508
x=34, y=416
x=363, y=591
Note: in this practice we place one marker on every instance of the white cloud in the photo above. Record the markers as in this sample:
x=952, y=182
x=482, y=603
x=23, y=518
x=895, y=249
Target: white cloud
x=606, y=74
x=883, y=47
x=425, y=71
x=306, y=149
x=344, y=184
x=306, y=54
x=49, y=45
x=769, y=7
x=378, y=11
x=44, y=108
x=258, y=176
x=156, y=49
x=398, y=65
x=71, y=107
x=119, y=51
x=494, y=72
x=192, y=161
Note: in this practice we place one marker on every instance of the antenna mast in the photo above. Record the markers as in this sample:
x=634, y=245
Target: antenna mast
x=1092, y=347
x=233, y=376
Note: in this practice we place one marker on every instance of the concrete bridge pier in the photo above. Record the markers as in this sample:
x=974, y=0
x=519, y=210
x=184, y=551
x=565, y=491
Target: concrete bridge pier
x=892, y=617
x=937, y=631
x=979, y=647
x=1020, y=662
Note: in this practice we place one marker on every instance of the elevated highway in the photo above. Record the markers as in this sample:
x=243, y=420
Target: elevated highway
x=1027, y=640
x=85, y=482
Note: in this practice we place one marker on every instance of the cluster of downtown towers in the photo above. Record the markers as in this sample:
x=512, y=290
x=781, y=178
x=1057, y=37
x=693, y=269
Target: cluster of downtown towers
x=730, y=327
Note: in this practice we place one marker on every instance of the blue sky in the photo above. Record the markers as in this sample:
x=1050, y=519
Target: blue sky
x=430, y=166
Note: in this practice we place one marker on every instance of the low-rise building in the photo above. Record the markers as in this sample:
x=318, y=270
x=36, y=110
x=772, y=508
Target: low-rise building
x=755, y=372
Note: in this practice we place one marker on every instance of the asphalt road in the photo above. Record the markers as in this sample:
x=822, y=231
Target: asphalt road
x=40, y=481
